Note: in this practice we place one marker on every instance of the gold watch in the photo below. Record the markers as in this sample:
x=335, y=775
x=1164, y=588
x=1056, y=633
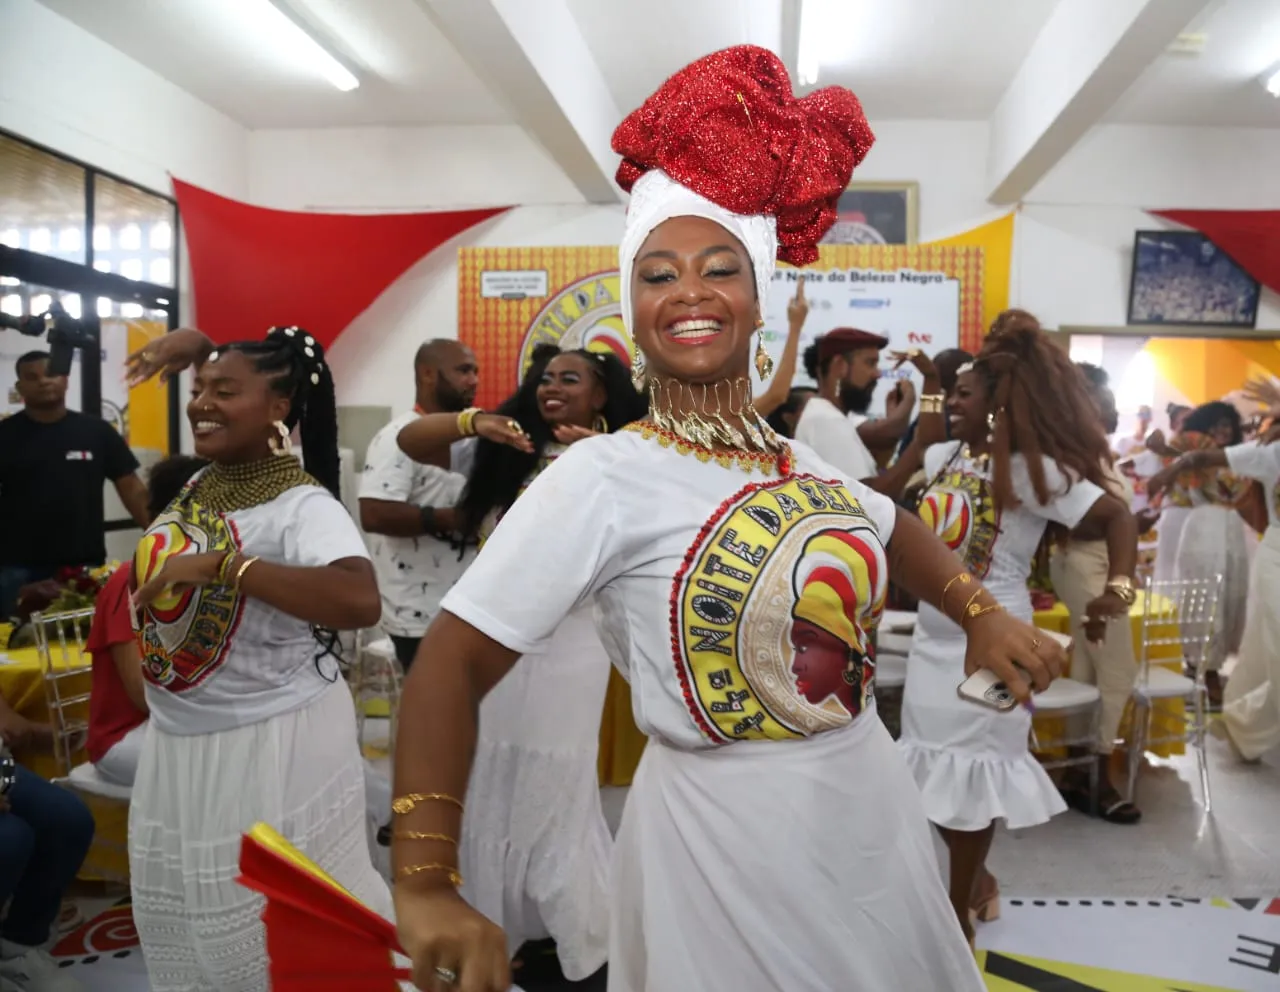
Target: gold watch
x=1123, y=587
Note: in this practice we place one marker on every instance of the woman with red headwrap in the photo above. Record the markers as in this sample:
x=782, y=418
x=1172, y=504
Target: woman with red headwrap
x=773, y=838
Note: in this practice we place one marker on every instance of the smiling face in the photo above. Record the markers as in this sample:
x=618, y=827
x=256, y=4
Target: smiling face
x=570, y=392
x=694, y=302
x=967, y=409
x=233, y=410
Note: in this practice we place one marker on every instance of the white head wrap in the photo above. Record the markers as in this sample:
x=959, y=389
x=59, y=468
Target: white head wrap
x=657, y=197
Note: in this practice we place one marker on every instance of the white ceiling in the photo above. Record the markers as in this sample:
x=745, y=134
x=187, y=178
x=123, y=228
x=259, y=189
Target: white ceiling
x=1219, y=87
x=214, y=50
x=929, y=59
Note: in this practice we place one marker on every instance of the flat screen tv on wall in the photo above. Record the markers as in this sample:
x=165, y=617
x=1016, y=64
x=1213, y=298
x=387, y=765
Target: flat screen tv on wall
x=1181, y=277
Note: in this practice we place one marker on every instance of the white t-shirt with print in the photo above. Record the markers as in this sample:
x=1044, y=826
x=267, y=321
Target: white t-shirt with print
x=834, y=438
x=1253, y=460
x=214, y=659
x=996, y=546
x=413, y=573
x=692, y=564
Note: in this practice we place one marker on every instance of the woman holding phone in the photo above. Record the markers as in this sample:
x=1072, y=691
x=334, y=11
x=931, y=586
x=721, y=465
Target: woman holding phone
x=1026, y=458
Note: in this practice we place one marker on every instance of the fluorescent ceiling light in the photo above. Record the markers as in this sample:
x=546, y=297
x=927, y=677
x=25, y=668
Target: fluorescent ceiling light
x=827, y=32
x=295, y=39
x=1272, y=82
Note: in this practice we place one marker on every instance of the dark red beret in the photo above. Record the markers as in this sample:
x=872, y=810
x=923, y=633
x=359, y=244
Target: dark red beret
x=843, y=340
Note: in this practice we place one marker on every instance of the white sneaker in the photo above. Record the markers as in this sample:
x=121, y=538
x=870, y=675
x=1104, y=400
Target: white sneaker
x=31, y=969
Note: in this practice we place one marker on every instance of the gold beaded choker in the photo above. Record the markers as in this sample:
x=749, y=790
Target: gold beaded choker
x=718, y=415
x=228, y=488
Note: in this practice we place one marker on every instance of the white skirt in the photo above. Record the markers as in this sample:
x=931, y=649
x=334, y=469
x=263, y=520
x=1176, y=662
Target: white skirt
x=801, y=865
x=971, y=763
x=1251, y=699
x=1213, y=543
x=535, y=844
x=193, y=799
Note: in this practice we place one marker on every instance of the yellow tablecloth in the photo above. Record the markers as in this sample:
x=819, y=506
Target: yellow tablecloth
x=621, y=742
x=22, y=685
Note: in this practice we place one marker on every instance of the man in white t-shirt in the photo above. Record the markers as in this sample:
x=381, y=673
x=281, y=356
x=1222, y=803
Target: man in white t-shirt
x=847, y=363
x=1132, y=444
x=414, y=555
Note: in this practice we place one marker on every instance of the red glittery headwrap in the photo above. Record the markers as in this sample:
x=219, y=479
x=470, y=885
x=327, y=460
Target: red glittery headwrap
x=729, y=128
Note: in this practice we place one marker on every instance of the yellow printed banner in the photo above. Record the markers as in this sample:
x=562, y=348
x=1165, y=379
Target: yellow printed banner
x=512, y=299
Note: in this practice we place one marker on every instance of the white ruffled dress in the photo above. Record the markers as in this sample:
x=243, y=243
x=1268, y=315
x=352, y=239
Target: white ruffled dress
x=971, y=763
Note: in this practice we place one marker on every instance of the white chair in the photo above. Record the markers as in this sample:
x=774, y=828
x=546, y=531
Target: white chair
x=1064, y=699
x=67, y=671
x=893, y=644
x=1178, y=621
x=376, y=675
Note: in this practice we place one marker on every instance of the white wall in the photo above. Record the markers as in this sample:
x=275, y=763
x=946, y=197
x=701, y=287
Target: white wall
x=1072, y=248
x=63, y=88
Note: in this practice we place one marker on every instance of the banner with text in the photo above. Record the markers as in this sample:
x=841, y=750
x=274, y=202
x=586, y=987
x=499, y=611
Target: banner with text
x=511, y=299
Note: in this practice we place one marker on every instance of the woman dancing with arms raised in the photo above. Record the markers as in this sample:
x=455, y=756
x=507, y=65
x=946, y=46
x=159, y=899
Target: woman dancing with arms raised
x=772, y=838
x=241, y=581
x=1028, y=455
x=535, y=847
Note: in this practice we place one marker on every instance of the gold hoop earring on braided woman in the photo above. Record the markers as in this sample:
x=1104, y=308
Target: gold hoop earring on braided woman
x=282, y=444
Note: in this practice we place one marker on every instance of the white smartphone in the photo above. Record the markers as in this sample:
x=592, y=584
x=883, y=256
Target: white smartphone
x=985, y=688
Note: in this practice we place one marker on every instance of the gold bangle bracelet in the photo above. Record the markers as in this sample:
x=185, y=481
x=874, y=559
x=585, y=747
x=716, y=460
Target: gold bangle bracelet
x=467, y=421
x=223, y=566
x=975, y=611
x=455, y=879
x=243, y=568
x=407, y=803
x=420, y=835
x=964, y=578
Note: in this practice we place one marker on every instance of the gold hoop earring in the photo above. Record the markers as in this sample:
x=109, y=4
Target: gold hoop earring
x=850, y=674
x=764, y=361
x=600, y=425
x=283, y=444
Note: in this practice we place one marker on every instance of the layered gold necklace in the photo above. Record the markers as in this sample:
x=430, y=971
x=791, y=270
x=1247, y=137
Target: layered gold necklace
x=715, y=420
x=228, y=488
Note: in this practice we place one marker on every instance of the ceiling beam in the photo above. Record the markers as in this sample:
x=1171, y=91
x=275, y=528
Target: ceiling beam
x=535, y=59
x=1085, y=58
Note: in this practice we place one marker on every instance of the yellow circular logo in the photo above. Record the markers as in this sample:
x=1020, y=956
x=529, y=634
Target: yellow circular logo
x=188, y=631
x=585, y=314
x=774, y=609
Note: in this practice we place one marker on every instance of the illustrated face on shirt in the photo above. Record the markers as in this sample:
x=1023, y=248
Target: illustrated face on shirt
x=772, y=612
x=960, y=508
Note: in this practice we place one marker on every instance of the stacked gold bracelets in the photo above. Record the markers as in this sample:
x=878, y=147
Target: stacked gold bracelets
x=972, y=609
x=407, y=804
x=932, y=402
x=467, y=421
x=224, y=570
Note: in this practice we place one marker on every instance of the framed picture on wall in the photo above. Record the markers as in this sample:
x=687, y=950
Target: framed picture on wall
x=877, y=214
x=1181, y=277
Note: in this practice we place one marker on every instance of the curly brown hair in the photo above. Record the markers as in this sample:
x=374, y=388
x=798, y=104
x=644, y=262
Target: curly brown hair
x=1041, y=406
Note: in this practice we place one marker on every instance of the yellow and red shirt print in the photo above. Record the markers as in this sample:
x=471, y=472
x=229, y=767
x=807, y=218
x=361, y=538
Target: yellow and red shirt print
x=772, y=611
x=960, y=508
x=186, y=632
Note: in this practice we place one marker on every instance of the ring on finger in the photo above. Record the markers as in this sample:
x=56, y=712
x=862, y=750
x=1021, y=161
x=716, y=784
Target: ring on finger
x=447, y=976
x=514, y=425
x=1035, y=643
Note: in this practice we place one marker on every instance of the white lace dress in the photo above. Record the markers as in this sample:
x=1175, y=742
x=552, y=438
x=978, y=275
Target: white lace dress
x=535, y=845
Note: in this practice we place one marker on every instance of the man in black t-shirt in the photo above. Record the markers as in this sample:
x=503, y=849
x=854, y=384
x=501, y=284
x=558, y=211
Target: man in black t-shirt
x=53, y=465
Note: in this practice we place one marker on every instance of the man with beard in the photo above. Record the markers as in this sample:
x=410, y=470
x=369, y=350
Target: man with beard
x=834, y=423
x=407, y=506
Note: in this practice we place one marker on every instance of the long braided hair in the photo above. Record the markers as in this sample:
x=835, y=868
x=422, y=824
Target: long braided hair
x=294, y=361
x=1040, y=406
x=295, y=364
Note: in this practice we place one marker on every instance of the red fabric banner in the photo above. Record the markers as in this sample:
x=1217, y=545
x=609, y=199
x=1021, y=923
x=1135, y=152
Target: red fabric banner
x=1250, y=237
x=253, y=268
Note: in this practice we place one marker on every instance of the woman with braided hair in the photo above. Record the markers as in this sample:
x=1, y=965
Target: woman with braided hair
x=1026, y=458
x=239, y=586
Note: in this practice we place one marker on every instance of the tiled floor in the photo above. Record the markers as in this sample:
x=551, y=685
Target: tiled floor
x=1067, y=867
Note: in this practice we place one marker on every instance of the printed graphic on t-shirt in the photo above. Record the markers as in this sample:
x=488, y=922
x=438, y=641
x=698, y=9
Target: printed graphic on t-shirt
x=960, y=508
x=773, y=611
x=186, y=632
